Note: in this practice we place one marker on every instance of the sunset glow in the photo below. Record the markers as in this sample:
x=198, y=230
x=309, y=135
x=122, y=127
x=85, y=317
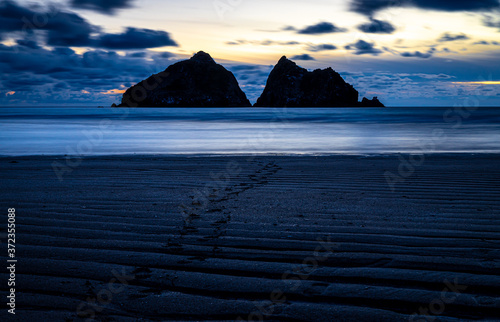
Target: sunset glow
x=479, y=83
x=114, y=92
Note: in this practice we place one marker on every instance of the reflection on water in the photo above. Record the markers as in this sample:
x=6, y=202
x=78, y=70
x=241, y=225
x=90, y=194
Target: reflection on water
x=93, y=131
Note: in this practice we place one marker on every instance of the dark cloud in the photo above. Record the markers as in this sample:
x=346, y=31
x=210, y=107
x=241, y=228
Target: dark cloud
x=164, y=55
x=491, y=21
x=28, y=43
x=362, y=47
x=237, y=68
x=369, y=7
x=134, y=38
x=321, y=28
x=452, y=37
x=418, y=54
x=25, y=82
x=98, y=59
x=39, y=75
x=321, y=47
x=63, y=28
x=377, y=27
x=487, y=43
x=494, y=24
x=103, y=6
x=11, y=16
x=139, y=54
x=303, y=57
x=67, y=29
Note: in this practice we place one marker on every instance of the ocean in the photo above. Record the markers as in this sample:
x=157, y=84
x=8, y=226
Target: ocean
x=222, y=131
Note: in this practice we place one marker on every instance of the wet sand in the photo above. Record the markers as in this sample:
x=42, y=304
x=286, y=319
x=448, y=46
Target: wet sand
x=139, y=238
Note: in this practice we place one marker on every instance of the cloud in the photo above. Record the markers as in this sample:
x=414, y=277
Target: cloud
x=303, y=57
x=164, y=55
x=367, y=7
x=362, y=47
x=108, y=7
x=11, y=16
x=487, y=43
x=42, y=76
x=63, y=28
x=134, y=38
x=377, y=27
x=138, y=54
x=67, y=29
x=320, y=28
x=432, y=76
x=27, y=43
x=453, y=37
x=370, y=7
x=418, y=54
x=491, y=21
x=263, y=43
x=417, y=89
x=321, y=47
x=252, y=78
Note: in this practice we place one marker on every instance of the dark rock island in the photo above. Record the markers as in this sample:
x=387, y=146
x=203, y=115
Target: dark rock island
x=201, y=82
x=289, y=85
x=197, y=82
x=374, y=102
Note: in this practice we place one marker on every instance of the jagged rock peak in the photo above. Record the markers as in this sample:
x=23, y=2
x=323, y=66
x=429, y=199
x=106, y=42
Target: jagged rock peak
x=284, y=60
x=288, y=64
x=203, y=57
x=290, y=85
x=196, y=82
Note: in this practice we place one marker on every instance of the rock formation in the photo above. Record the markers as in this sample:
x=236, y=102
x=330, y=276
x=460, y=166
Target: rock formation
x=289, y=85
x=197, y=82
x=371, y=103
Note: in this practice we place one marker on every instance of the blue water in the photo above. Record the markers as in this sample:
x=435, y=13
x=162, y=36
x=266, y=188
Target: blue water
x=106, y=131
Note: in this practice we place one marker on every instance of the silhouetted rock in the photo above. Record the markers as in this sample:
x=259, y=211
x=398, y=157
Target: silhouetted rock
x=114, y=105
x=197, y=82
x=371, y=103
x=289, y=85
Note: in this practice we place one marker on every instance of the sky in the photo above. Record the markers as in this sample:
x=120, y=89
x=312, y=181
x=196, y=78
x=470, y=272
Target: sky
x=407, y=53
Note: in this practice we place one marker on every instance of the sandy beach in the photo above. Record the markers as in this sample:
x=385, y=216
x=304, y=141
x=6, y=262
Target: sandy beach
x=275, y=238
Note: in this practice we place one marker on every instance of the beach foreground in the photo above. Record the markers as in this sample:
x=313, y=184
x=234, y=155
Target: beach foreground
x=129, y=238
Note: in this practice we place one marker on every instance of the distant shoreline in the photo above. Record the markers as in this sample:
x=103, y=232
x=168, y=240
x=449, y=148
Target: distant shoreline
x=118, y=156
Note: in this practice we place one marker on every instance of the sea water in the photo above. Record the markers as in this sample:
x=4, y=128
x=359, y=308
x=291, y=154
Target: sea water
x=216, y=131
